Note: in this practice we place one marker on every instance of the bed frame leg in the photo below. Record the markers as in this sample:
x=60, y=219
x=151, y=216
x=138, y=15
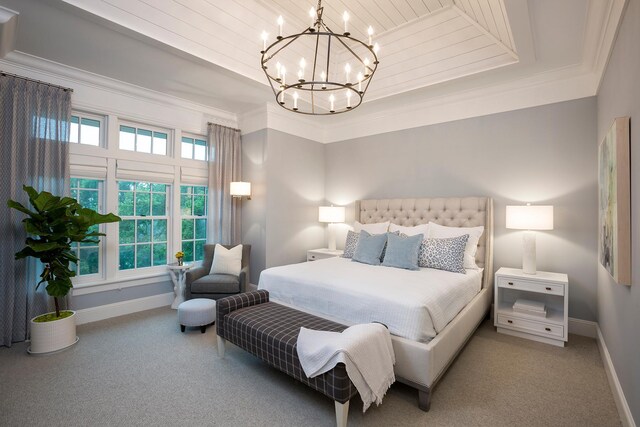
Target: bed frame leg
x=221, y=342
x=342, y=413
x=424, y=399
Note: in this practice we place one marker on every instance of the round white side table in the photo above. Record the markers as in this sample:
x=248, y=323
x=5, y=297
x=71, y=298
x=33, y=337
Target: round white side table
x=178, y=275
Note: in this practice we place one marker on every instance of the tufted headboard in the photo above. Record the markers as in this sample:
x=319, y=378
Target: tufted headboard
x=452, y=212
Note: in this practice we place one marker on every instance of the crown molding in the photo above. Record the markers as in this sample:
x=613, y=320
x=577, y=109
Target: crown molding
x=274, y=117
x=83, y=81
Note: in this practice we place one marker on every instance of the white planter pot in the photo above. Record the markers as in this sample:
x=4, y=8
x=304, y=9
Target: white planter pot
x=47, y=337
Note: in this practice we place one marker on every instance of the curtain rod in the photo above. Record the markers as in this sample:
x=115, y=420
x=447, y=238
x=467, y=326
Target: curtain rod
x=4, y=73
x=227, y=127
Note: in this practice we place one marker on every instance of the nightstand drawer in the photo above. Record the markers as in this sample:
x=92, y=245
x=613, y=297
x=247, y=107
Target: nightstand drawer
x=531, y=286
x=531, y=326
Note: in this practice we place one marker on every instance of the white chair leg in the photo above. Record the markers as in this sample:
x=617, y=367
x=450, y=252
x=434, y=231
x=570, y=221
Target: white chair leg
x=221, y=342
x=342, y=413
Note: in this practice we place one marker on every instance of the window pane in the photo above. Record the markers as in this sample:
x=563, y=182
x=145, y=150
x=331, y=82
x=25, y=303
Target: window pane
x=160, y=230
x=199, y=205
x=185, y=189
x=159, y=204
x=127, y=231
x=89, y=199
x=127, y=254
x=144, y=141
x=126, y=185
x=186, y=150
x=90, y=132
x=74, y=194
x=143, y=186
x=201, y=228
x=143, y=256
x=185, y=205
x=198, y=189
x=93, y=229
x=143, y=204
x=199, y=251
x=160, y=254
x=73, y=135
x=187, y=248
x=159, y=143
x=143, y=231
x=187, y=229
x=88, y=183
x=125, y=203
x=127, y=138
x=159, y=188
x=200, y=152
x=90, y=260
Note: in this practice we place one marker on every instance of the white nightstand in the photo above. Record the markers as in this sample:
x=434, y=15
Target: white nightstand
x=316, y=254
x=551, y=289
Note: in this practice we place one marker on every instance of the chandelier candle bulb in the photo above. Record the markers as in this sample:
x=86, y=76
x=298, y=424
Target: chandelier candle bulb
x=312, y=15
x=278, y=69
x=348, y=99
x=332, y=100
x=345, y=18
x=295, y=100
x=265, y=36
x=283, y=73
x=366, y=66
x=370, y=33
x=376, y=48
x=360, y=82
x=323, y=77
x=280, y=24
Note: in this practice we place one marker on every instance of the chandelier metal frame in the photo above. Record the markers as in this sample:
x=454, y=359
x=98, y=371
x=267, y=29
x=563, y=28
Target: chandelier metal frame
x=316, y=84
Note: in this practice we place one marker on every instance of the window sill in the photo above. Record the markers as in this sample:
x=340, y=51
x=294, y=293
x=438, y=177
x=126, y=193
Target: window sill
x=119, y=283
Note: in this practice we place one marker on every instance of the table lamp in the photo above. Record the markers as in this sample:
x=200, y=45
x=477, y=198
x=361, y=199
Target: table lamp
x=331, y=215
x=529, y=218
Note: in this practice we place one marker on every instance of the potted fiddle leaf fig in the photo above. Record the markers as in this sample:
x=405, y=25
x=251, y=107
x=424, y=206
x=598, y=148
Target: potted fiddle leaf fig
x=54, y=224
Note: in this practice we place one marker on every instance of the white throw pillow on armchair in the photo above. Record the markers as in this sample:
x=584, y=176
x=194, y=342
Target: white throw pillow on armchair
x=227, y=261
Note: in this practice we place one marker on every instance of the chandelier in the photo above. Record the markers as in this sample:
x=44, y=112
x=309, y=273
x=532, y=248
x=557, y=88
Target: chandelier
x=336, y=77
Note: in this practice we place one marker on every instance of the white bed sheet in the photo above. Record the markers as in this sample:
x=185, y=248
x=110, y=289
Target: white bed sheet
x=413, y=304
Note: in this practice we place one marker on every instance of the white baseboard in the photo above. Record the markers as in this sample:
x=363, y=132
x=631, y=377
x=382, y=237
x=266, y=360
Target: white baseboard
x=585, y=328
x=107, y=311
x=618, y=394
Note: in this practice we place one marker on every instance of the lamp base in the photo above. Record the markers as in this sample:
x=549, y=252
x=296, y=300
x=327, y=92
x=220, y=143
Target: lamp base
x=332, y=236
x=529, y=252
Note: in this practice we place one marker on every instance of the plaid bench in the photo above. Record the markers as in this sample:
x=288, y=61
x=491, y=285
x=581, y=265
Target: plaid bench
x=269, y=331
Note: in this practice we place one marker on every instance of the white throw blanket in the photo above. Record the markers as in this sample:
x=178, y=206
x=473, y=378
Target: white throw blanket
x=366, y=350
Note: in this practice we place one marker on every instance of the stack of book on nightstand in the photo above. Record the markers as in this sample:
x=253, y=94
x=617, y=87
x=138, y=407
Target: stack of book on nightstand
x=530, y=308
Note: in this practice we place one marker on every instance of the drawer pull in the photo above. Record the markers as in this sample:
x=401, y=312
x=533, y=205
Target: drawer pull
x=548, y=288
x=510, y=283
x=509, y=321
x=547, y=329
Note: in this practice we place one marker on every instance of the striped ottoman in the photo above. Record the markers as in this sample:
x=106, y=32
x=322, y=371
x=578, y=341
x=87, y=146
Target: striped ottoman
x=197, y=312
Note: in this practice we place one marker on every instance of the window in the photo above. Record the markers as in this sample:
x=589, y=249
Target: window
x=193, y=208
x=143, y=229
x=88, y=192
x=143, y=140
x=194, y=148
x=86, y=129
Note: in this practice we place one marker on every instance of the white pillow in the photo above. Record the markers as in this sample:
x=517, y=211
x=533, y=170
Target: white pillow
x=411, y=231
x=227, y=261
x=441, y=231
x=377, y=228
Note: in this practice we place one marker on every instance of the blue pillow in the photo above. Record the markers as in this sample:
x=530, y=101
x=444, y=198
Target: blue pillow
x=402, y=252
x=369, y=248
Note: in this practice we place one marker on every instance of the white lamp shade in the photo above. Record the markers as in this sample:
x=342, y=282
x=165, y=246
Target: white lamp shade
x=240, y=189
x=530, y=217
x=331, y=214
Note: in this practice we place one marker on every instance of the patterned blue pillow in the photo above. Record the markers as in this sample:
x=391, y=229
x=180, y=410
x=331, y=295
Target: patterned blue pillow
x=443, y=254
x=369, y=248
x=350, y=244
x=402, y=251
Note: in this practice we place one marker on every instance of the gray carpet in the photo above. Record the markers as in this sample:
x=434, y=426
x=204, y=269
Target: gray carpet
x=140, y=370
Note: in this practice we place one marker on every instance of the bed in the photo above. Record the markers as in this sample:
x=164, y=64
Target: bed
x=428, y=330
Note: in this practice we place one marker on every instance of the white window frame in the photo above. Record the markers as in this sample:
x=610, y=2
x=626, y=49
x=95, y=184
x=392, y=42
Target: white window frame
x=194, y=217
x=193, y=137
x=100, y=275
x=152, y=129
x=92, y=116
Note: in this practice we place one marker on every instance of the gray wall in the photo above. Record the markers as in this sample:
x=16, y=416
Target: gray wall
x=618, y=305
x=119, y=295
x=542, y=155
x=281, y=220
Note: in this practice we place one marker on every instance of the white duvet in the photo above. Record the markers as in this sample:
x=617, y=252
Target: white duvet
x=413, y=304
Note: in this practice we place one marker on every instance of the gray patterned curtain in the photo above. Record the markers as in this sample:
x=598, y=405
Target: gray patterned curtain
x=34, y=130
x=225, y=158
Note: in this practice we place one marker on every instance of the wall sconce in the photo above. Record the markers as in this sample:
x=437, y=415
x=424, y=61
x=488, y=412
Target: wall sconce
x=240, y=189
x=529, y=218
x=331, y=215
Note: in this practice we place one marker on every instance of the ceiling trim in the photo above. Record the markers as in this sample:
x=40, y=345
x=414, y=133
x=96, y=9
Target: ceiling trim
x=274, y=117
x=54, y=72
x=600, y=51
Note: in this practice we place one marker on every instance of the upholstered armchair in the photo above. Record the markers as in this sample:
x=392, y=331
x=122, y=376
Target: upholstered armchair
x=201, y=284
